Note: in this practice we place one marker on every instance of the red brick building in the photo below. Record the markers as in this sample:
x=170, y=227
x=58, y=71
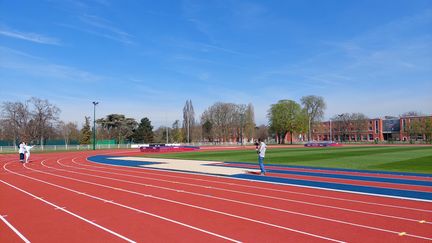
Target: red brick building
x=412, y=128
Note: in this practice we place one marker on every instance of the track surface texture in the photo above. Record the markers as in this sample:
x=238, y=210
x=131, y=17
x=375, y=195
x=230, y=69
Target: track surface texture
x=66, y=197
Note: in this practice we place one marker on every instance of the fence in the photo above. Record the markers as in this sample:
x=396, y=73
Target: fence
x=7, y=149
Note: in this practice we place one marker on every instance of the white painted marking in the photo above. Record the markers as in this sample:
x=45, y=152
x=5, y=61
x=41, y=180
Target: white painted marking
x=67, y=211
x=197, y=166
x=114, y=203
x=190, y=205
x=229, y=190
x=14, y=229
x=270, y=182
x=261, y=206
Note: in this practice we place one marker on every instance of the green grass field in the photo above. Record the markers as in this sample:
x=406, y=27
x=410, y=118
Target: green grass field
x=407, y=159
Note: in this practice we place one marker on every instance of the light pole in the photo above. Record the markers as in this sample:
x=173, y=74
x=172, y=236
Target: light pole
x=241, y=128
x=331, y=138
x=309, y=137
x=94, y=124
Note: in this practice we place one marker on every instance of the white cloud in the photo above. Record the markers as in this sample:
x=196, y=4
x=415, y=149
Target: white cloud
x=28, y=36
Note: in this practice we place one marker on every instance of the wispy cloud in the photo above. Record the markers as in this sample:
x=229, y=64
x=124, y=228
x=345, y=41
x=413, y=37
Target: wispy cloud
x=106, y=29
x=35, y=66
x=28, y=36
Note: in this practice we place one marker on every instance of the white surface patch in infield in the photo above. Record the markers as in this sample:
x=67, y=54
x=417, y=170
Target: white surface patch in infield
x=200, y=166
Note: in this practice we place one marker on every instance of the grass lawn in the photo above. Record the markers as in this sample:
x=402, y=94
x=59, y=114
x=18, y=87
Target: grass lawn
x=398, y=158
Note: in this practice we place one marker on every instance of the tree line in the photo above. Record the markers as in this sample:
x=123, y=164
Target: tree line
x=36, y=120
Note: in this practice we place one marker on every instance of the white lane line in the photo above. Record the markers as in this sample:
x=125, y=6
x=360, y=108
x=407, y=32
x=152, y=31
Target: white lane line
x=71, y=213
x=14, y=229
x=144, y=171
x=190, y=205
x=121, y=205
x=245, y=203
x=224, y=213
x=234, y=191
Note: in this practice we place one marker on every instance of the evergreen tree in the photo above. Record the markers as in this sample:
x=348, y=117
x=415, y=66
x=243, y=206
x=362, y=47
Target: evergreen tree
x=85, y=133
x=144, y=132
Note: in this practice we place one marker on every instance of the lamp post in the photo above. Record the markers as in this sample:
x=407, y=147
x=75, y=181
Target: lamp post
x=241, y=128
x=94, y=124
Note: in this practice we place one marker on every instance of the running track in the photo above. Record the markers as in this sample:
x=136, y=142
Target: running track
x=63, y=197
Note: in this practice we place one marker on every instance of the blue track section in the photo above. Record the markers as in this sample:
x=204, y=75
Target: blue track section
x=352, y=177
x=104, y=159
x=310, y=183
x=344, y=187
x=336, y=169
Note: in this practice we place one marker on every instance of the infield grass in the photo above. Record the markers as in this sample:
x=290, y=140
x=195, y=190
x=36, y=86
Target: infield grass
x=398, y=158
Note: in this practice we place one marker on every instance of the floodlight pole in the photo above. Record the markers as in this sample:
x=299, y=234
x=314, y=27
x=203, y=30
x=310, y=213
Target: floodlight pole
x=241, y=129
x=94, y=124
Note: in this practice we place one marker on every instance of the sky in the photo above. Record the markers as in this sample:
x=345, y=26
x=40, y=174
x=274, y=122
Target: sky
x=145, y=58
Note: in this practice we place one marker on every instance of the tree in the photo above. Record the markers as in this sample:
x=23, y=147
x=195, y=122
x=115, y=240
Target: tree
x=428, y=129
x=69, y=131
x=44, y=115
x=359, y=123
x=314, y=106
x=342, y=124
x=286, y=116
x=227, y=120
x=411, y=113
x=161, y=134
x=188, y=119
x=262, y=132
x=144, y=132
x=118, y=127
x=249, y=126
x=207, y=130
x=176, y=132
x=16, y=117
x=85, y=133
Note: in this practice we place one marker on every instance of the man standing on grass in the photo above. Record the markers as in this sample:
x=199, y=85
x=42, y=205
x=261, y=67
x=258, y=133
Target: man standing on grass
x=261, y=154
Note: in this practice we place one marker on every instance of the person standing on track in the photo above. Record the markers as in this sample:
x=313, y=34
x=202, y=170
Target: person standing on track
x=27, y=151
x=21, y=151
x=261, y=154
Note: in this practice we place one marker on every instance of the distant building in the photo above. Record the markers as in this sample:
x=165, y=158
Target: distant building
x=376, y=129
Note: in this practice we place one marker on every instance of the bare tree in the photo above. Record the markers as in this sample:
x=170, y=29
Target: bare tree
x=314, y=106
x=188, y=119
x=342, y=124
x=226, y=121
x=16, y=118
x=69, y=131
x=262, y=132
x=44, y=115
x=359, y=123
x=412, y=113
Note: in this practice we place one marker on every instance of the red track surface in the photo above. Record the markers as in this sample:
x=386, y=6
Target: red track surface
x=61, y=197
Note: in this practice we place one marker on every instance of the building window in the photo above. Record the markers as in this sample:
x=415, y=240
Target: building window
x=370, y=136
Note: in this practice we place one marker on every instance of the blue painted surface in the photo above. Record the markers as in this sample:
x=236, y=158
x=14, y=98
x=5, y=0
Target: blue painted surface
x=104, y=159
x=327, y=185
x=350, y=177
x=337, y=169
x=344, y=187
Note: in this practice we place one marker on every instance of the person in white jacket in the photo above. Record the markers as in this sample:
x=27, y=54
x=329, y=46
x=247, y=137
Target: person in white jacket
x=27, y=150
x=22, y=151
x=261, y=154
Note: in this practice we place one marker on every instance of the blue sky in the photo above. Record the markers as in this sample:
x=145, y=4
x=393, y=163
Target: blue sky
x=146, y=58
